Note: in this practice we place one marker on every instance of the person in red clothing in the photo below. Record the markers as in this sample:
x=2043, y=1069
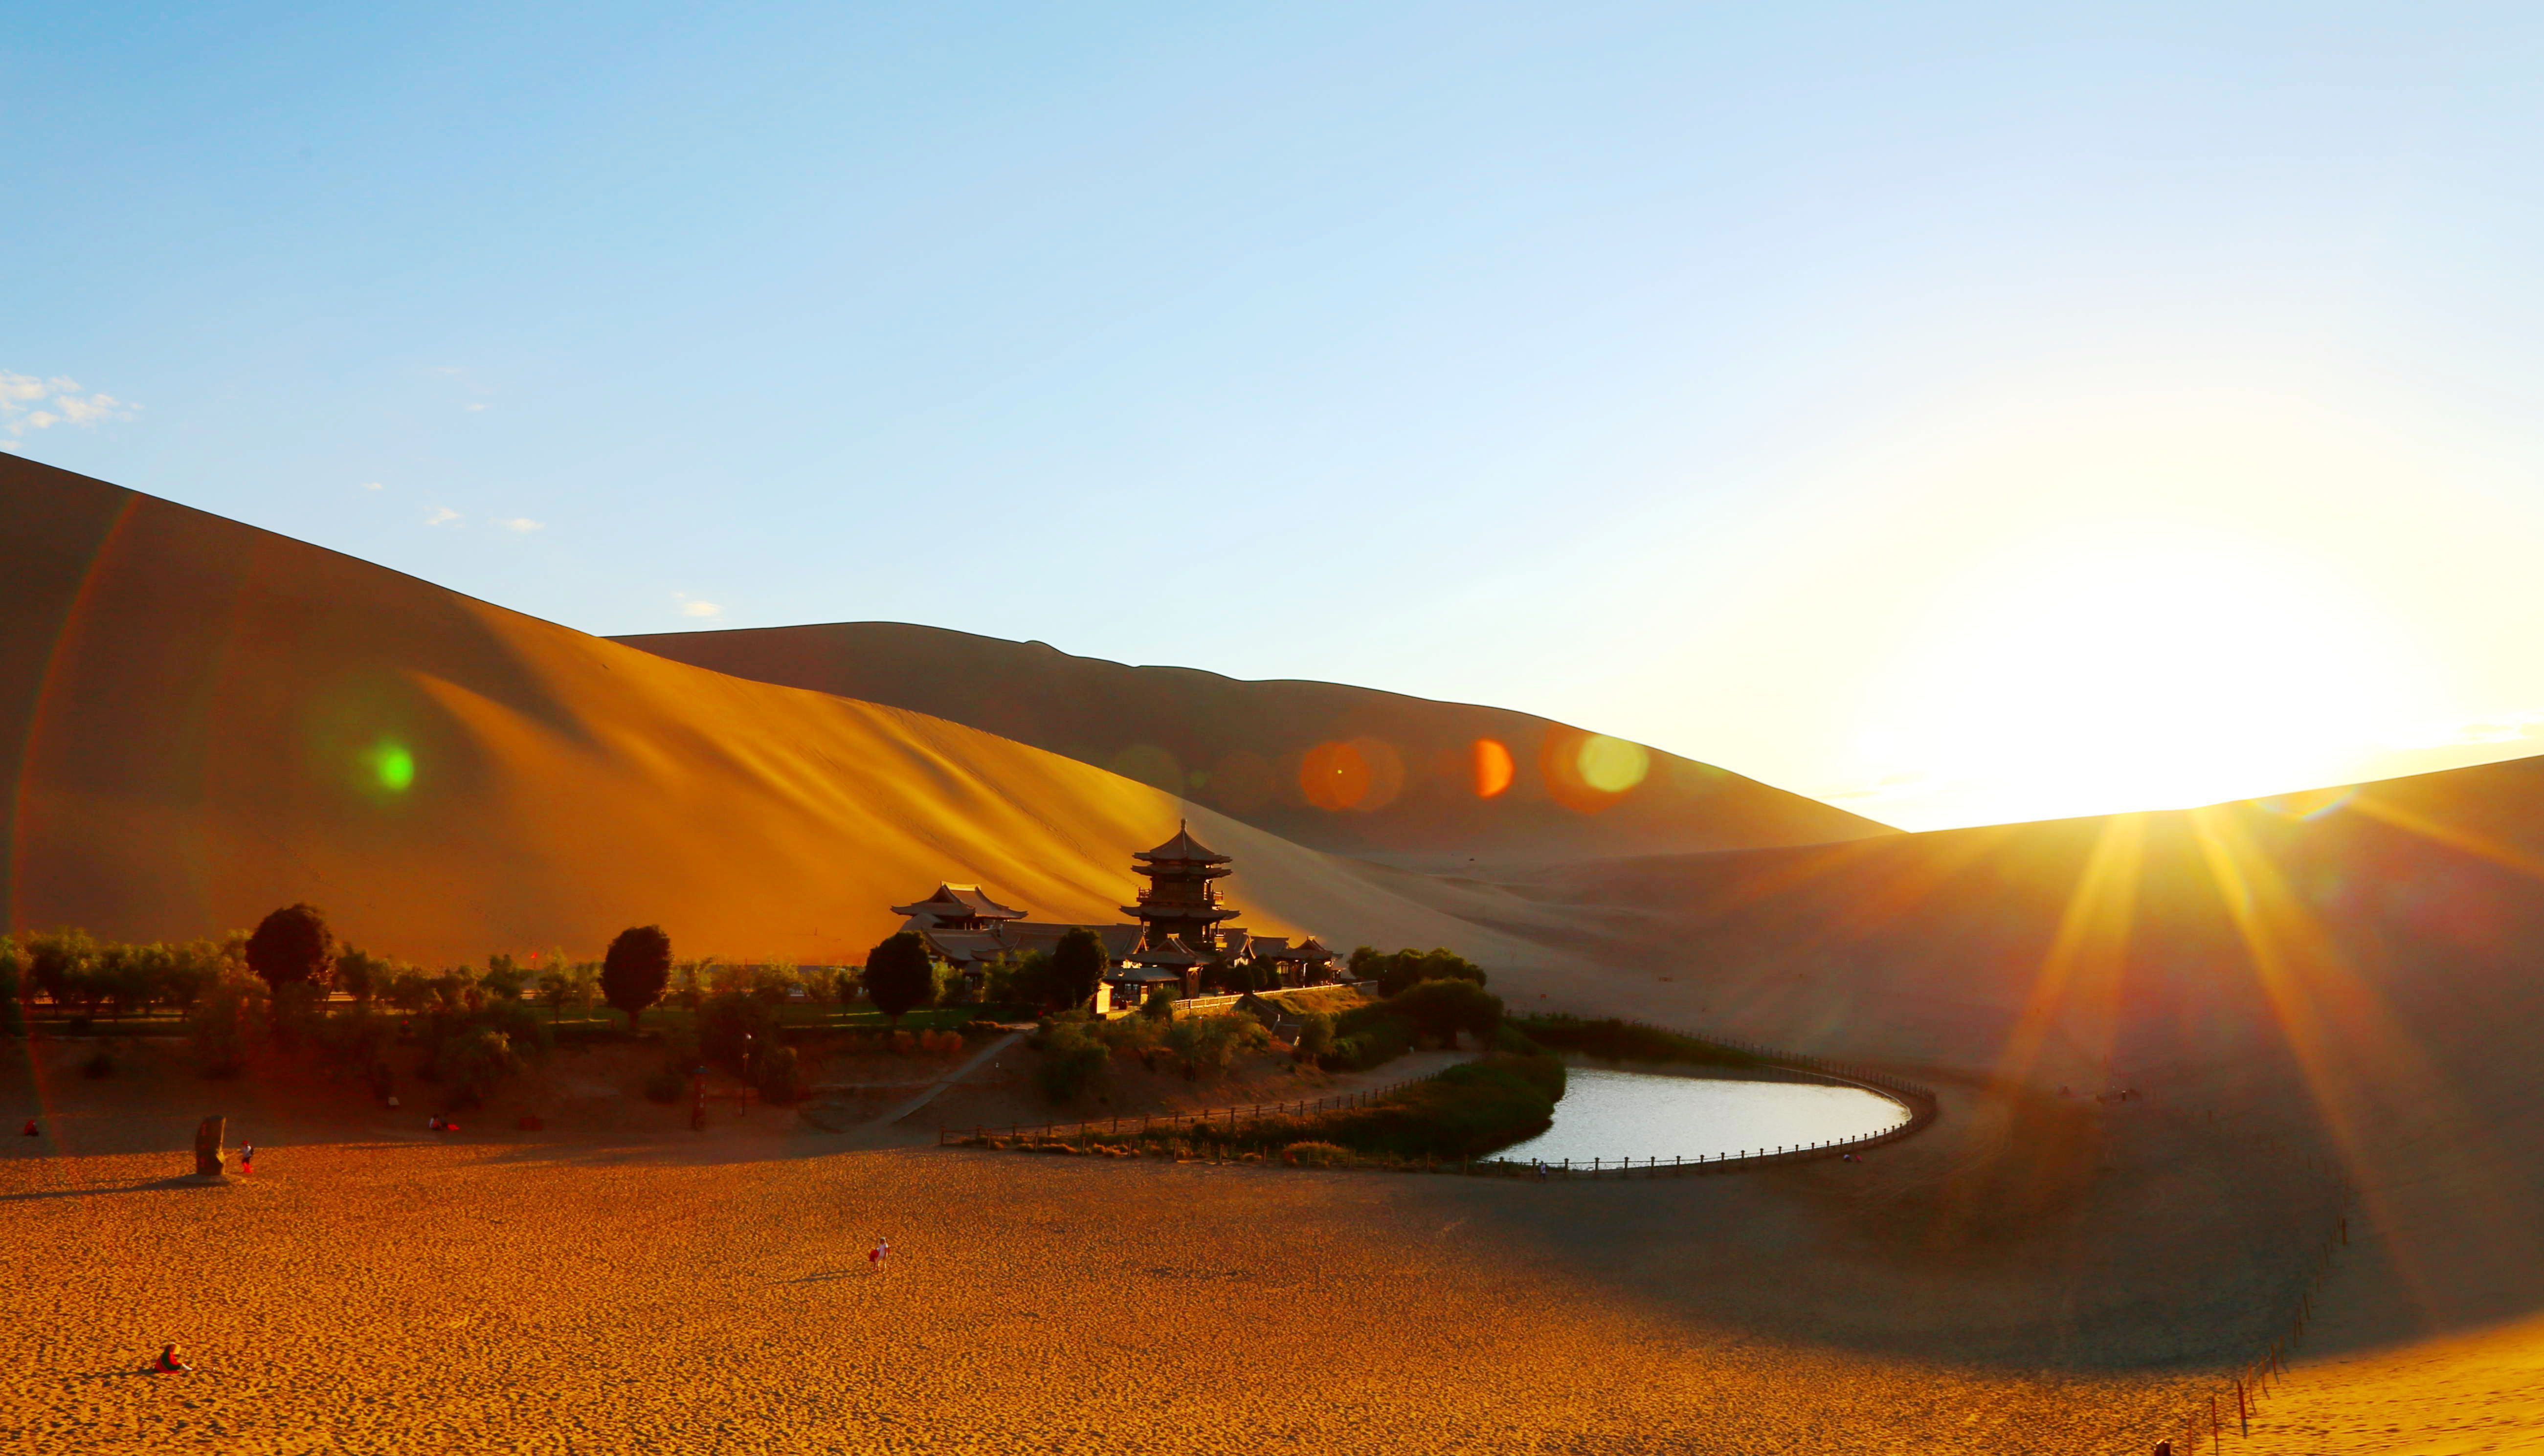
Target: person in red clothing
x=169, y=1362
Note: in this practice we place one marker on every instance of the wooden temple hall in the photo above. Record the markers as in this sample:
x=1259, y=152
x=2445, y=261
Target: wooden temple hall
x=1182, y=929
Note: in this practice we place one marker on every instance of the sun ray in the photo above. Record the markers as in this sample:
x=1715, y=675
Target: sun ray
x=2368, y=1081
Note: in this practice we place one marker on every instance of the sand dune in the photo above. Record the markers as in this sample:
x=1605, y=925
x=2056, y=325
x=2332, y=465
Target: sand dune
x=1245, y=747
x=2348, y=975
x=203, y=721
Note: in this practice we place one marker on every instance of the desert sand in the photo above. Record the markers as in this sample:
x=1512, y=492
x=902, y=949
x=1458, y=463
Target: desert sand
x=2325, y=1004
x=203, y=721
x=1240, y=746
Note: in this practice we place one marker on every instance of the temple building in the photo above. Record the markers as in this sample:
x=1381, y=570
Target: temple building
x=1182, y=930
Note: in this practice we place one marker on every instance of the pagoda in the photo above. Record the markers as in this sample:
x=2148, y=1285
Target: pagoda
x=1180, y=909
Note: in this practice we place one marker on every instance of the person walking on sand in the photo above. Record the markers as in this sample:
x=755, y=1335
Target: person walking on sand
x=169, y=1362
x=877, y=1255
x=246, y=1158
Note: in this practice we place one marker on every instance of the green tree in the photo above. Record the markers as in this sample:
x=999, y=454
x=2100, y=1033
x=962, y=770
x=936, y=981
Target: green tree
x=363, y=975
x=1409, y=969
x=504, y=977
x=13, y=985
x=293, y=944
x=59, y=960
x=636, y=969
x=1443, y=1008
x=1078, y=967
x=900, y=976
x=735, y=1026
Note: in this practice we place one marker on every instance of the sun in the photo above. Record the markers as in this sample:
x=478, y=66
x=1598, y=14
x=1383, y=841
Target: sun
x=2109, y=666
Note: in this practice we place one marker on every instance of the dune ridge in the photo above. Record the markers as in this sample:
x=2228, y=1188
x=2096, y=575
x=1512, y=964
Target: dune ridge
x=202, y=720
x=1243, y=748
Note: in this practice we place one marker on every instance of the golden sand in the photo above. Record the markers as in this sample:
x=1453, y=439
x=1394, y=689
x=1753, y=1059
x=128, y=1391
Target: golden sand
x=401, y=1295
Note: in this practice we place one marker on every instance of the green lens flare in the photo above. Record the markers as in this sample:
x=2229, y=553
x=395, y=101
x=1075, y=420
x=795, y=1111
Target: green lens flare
x=394, y=765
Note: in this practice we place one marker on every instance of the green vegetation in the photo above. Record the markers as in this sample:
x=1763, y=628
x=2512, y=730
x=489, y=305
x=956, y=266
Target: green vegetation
x=637, y=968
x=292, y=944
x=1612, y=1039
x=1405, y=969
x=902, y=976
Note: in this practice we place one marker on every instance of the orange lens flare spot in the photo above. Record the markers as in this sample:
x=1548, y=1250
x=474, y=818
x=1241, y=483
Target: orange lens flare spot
x=1363, y=774
x=1494, y=767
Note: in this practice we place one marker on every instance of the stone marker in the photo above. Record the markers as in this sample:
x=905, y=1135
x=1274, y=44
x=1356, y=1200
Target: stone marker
x=207, y=1147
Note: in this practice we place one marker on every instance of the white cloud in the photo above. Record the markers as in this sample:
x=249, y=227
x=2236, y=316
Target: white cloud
x=442, y=515
x=700, y=609
x=472, y=408
x=523, y=523
x=371, y=485
x=20, y=393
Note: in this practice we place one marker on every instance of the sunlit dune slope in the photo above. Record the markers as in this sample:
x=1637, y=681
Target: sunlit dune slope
x=202, y=720
x=1396, y=779
x=2354, y=974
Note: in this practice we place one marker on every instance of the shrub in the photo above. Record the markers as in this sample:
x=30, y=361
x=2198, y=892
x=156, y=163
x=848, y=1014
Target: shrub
x=13, y=974
x=1078, y=967
x=1405, y=969
x=474, y=1062
x=636, y=969
x=1441, y=1009
x=1159, y=1006
x=778, y=1073
x=666, y=1084
x=1612, y=1039
x=900, y=976
x=733, y=1025
x=1315, y=1036
x=292, y=944
x=364, y=975
x=504, y=979
x=1316, y=1155
x=1073, y=1061
x=58, y=962
x=1367, y=1037
x=1211, y=1043
x=227, y=1023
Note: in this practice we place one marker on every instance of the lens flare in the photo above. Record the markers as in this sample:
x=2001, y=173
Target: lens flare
x=392, y=765
x=1363, y=774
x=1614, y=765
x=1494, y=767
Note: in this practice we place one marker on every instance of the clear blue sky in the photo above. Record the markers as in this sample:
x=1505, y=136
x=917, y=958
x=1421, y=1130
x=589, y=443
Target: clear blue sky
x=1736, y=378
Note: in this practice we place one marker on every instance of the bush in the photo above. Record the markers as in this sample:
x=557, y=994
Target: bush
x=778, y=1073
x=293, y=944
x=1159, y=1006
x=1073, y=1061
x=733, y=1025
x=666, y=1085
x=1211, y=1043
x=228, y=1023
x=1316, y=1155
x=1407, y=969
x=1612, y=1039
x=636, y=969
x=473, y=1063
x=1315, y=1036
x=902, y=976
x=1441, y=1009
x=1367, y=1037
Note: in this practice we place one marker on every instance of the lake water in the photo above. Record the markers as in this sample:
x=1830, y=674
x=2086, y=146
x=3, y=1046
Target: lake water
x=1610, y=1116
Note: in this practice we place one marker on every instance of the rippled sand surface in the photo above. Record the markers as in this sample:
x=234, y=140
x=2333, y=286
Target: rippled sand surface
x=398, y=1295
